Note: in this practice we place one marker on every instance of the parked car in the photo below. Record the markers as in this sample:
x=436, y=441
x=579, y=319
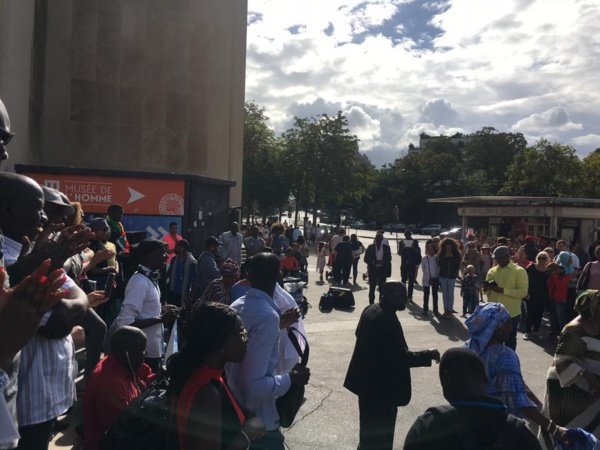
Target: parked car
x=394, y=227
x=358, y=224
x=413, y=228
x=371, y=226
x=452, y=232
x=433, y=228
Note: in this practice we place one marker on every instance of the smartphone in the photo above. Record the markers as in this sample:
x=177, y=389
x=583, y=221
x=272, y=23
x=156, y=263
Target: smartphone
x=110, y=284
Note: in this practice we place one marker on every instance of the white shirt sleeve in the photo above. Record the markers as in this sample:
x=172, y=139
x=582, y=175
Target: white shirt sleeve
x=135, y=293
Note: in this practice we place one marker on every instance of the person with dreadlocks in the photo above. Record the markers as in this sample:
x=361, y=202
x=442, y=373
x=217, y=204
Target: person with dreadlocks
x=572, y=387
x=219, y=290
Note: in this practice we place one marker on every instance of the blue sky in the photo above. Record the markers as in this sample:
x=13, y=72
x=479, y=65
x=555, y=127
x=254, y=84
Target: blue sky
x=397, y=68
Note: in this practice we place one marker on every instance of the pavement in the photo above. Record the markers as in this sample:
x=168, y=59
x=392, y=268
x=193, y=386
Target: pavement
x=329, y=418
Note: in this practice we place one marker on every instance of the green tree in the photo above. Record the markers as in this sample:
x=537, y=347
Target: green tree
x=263, y=185
x=490, y=152
x=325, y=167
x=590, y=175
x=545, y=170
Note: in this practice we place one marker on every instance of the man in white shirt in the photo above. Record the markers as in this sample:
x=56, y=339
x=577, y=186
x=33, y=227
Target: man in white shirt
x=141, y=306
x=232, y=243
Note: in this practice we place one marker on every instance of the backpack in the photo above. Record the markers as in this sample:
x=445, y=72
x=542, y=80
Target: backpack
x=510, y=435
x=144, y=424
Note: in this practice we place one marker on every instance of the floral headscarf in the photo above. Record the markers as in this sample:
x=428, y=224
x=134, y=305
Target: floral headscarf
x=483, y=323
x=230, y=267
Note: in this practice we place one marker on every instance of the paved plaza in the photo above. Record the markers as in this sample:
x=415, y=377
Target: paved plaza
x=329, y=418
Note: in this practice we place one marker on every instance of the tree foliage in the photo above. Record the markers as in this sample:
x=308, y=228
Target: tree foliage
x=317, y=165
x=545, y=170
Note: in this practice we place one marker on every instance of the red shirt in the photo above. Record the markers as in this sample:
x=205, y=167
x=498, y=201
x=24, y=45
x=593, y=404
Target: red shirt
x=109, y=389
x=289, y=263
x=558, y=285
x=168, y=238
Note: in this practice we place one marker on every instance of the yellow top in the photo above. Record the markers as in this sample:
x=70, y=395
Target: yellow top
x=513, y=279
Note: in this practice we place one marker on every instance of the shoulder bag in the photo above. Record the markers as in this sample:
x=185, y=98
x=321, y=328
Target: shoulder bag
x=289, y=403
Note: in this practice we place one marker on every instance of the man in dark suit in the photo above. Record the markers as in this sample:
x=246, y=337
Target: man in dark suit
x=379, y=371
x=379, y=265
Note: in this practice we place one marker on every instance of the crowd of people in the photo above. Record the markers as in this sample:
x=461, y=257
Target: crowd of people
x=229, y=318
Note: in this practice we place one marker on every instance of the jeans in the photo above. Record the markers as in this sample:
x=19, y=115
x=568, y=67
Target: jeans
x=470, y=301
x=557, y=317
x=512, y=339
x=407, y=273
x=447, y=286
x=355, y=268
x=377, y=278
x=272, y=440
x=434, y=298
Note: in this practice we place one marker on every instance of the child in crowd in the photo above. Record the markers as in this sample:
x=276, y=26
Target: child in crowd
x=289, y=264
x=469, y=289
x=321, y=258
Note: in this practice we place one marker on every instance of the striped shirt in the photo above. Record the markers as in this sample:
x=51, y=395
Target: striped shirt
x=47, y=371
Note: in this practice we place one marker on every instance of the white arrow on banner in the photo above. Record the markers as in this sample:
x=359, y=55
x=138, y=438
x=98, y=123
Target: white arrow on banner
x=152, y=232
x=135, y=195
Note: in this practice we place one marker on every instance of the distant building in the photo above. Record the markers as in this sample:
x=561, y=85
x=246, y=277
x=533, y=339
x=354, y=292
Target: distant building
x=457, y=139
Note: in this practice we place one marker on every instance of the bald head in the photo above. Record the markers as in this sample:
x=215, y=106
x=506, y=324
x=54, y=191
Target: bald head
x=5, y=134
x=21, y=206
x=128, y=346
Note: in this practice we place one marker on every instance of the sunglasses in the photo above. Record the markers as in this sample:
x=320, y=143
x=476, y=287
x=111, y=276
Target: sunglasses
x=5, y=136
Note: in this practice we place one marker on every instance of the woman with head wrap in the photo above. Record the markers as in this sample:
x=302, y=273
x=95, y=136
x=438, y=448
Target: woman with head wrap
x=219, y=290
x=489, y=329
x=565, y=260
x=572, y=387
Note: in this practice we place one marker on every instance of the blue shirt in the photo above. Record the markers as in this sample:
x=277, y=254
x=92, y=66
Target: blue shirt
x=253, y=381
x=505, y=381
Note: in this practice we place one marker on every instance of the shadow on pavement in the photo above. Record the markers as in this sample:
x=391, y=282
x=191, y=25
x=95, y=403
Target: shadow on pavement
x=454, y=328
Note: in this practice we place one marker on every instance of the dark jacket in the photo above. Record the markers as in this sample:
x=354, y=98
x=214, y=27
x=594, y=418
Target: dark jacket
x=449, y=266
x=344, y=253
x=410, y=254
x=485, y=421
x=381, y=362
x=371, y=257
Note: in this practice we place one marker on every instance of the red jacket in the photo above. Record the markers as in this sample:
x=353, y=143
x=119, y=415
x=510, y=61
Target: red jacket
x=558, y=286
x=108, y=390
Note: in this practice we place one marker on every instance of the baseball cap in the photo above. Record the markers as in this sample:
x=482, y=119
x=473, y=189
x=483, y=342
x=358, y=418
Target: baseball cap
x=57, y=198
x=529, y=239
x=500, y=252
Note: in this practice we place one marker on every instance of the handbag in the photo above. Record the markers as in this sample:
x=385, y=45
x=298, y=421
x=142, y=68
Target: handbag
x=434, y=282
x=289, y=403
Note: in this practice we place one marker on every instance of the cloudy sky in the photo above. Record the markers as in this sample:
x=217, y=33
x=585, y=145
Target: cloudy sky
x=397, y=68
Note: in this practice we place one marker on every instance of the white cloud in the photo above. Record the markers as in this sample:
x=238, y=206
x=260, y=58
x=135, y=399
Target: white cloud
x=524, y=65
x=589, y=140
x=555, y=119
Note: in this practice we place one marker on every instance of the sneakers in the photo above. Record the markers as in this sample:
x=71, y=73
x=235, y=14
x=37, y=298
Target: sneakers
x=464, y=316
x=526, y=336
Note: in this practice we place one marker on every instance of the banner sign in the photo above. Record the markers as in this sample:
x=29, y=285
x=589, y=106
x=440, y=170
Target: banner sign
x=136, y=195
x=503, y=211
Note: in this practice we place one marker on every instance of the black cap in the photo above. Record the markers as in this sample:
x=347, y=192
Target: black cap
x=149, y=245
